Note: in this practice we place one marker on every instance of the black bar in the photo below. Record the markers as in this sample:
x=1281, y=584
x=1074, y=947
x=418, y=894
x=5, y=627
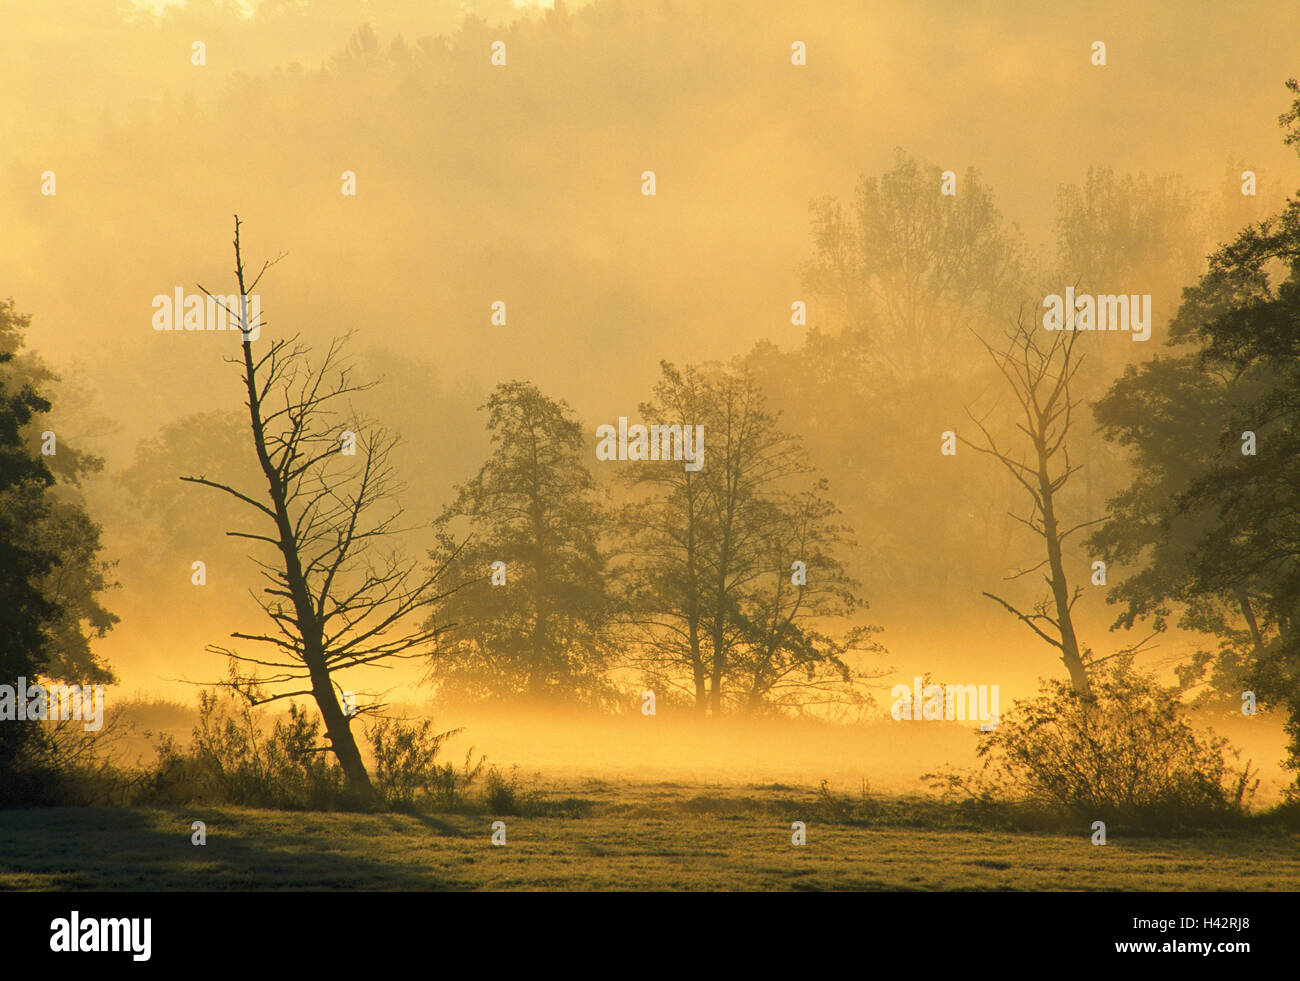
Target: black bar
x=379, y=931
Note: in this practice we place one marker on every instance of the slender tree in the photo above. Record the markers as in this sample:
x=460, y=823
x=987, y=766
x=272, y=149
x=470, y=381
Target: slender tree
x=1038, y=368
x=336, y=598
x=666, y=535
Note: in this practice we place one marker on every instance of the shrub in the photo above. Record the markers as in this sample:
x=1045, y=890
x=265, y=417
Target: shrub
x=502, y=794
x=1124, y=749
x=406, y=769
x=231, y=760
x=63, y=764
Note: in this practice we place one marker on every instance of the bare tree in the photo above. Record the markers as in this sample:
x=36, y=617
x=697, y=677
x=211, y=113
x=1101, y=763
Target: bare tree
x=335, y=598
x=1038, y=369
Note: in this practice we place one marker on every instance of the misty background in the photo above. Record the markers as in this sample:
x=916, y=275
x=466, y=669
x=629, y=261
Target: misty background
x=523, y=184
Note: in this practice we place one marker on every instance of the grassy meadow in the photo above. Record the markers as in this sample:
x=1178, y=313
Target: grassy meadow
x=598, y=835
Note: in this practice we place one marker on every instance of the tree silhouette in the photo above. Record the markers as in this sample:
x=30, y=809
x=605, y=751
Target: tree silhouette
x=1038, y=373
x=74, y=584
x=26, y=614
x=335, y=598
x=538, y=631
x=1214, y=529
x=707, y=569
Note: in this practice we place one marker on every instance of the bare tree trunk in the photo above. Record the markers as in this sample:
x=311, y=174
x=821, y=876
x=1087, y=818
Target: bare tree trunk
x=697, y=664
x=1070, y=656
x=338, y=728
x=1039, y=377
x=693, y=605
x=337, y=725
x=1247, y=611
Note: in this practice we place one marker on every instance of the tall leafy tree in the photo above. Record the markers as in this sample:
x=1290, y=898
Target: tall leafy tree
x=27, y=616
x=709, y=569
x=912, y=268
x=75, y=584
x=902, y=282
x=1123, y=234
x=1212, y=519
x=1126, y=233
x=523, y=534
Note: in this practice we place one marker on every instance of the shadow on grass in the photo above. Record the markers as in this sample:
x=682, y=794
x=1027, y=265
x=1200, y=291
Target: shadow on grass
x=77, y=848
x=439, y=825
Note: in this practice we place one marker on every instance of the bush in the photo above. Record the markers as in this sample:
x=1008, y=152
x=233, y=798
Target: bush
x=1124, y=750
x=407, y=773
x=63, y=764
x=232, y=761
x=501, y=793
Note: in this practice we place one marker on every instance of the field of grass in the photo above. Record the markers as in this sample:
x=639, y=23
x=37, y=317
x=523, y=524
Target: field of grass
x=628, y=837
